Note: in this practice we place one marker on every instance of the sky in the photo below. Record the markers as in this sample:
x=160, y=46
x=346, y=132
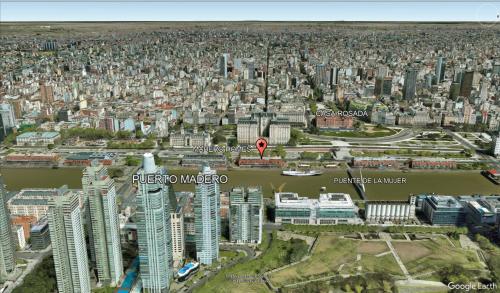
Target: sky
x=325, y=10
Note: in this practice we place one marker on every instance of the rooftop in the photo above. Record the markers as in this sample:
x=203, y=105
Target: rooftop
x=40, y=225
x=445, y=201
x=325, y=200
x=47, y=134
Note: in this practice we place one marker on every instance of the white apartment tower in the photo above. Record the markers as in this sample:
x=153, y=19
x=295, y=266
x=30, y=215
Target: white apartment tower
x=207, y=219
x=177, y=224
x=154, y=230
x=100, y=190
x=68, y=243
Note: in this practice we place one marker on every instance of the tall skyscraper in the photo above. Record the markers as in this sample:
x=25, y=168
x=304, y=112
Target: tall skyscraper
x=466, y=88
x=46, y=93
x=387, y=86
x=245, y=215
x=334, y=76
x=251, y=70
x=410, y=84
x=454, y=90
x=440, y=68
x=320, y=76
x=223, y=60
x=495, y=146
x=207, y=219
x=177, y=228
x=7, y=115
x=382, y=71
x=379, y=82
x=99, y=188
x=68, y=243
x=153, y=230
x=7, y=120
x=7, y=260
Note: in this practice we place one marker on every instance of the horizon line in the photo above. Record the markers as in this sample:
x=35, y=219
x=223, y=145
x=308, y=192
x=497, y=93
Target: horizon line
x=235, y=21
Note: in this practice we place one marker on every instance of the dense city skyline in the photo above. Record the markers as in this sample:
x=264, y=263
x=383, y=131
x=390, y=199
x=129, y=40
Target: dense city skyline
x=155, y=157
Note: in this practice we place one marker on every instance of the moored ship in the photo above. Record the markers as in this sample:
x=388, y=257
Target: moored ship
x=493, y=175
x=301, y=173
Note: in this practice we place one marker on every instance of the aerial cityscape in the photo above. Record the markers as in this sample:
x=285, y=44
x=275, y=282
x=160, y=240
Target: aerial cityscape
x=249, y=157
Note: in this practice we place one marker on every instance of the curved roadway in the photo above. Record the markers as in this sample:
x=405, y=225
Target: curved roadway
x=404, y=134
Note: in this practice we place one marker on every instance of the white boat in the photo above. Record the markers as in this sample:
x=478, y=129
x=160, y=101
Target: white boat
x=301, y=173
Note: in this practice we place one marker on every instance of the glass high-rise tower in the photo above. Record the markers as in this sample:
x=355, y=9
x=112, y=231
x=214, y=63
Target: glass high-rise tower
x=153, y=230
x=245, y=215
x=410, y=84
x=68, y=243
x=207, y=219
x=440, y=69
x=100, y=191
x=7, y=260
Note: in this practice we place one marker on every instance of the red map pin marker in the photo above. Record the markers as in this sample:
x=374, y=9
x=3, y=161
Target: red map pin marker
x=261, y=145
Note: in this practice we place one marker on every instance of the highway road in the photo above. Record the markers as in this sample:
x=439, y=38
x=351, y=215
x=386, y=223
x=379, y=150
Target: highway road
x=404, y=134
x=467, y=144
x=461, y=140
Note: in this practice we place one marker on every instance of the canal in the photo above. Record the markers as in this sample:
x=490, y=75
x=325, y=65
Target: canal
x=453, y=183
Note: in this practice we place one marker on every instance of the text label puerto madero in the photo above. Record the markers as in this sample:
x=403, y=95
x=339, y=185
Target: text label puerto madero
x=182, y=179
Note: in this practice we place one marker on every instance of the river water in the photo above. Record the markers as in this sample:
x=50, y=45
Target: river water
x=453, y=183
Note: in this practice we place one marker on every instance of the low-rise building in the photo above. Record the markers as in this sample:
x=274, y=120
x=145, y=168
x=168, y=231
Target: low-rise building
x=279, y=131
x=197, y=160
x=433, y=163
x=294, y=113
x=86, y=158
x=443, y=210
x=18, y=236
x=40, y=235
x=262, y=124
x=383, y=117
x=37, y=138
x=32, y=159
x=481, y=210
x=25, y=221
x=335, y=122
x=369, y=162
x=190, y=139
x=33, y=201
x=329, y=209
x=247, y=131
x=257, y=162
x=478, y=213
x=393, y=210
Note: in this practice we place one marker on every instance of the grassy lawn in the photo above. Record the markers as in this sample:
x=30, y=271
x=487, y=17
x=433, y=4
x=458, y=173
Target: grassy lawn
x=432, y=255
x=229, y=255
x=302, y=139
x=331, y=252
x=246, y=277
x=351, y=256
x=314, y=142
